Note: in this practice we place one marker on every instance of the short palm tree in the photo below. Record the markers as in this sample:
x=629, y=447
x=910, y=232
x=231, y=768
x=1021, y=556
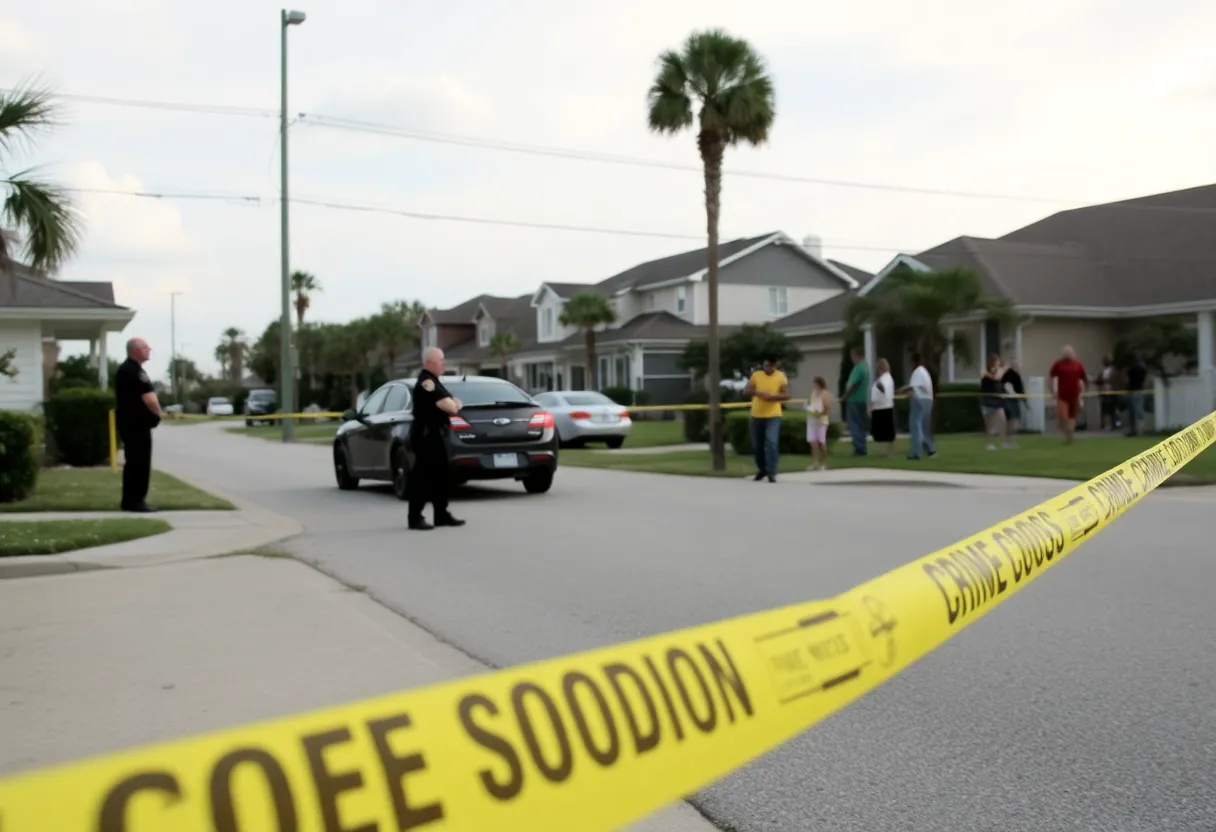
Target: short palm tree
x=35, y=210
x=914, y=306
x=303, y=285
x=502, y=346
x=236, y=347
x=587, y=311
x=726, y=82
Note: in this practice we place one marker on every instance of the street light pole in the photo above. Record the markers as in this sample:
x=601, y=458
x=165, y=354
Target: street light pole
x=173, y=345
x=286, y=364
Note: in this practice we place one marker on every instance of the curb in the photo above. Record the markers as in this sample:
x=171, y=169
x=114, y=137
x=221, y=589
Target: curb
x=264, y=528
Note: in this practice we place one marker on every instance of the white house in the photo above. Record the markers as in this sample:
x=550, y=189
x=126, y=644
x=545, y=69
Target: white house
x=41, y=313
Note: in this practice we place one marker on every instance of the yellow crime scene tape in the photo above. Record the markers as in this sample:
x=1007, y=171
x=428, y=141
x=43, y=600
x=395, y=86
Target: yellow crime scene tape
x=590, y=741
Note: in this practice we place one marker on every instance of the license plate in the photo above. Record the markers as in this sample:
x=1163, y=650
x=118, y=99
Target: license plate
x=506, y=461
x=605, y=417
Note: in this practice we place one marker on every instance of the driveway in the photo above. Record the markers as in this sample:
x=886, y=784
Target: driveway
x=1085, y=703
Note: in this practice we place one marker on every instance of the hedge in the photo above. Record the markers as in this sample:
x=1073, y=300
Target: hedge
x=627, y=397
x=78, y=421
x=20, y=449
x=792, y=439
x=952, y=412
x=696, y=422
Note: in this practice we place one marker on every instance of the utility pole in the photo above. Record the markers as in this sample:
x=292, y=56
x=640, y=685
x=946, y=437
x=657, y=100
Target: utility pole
x=286, y=359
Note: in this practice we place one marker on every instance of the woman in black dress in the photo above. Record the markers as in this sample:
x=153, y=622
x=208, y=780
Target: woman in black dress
x=882, y=406
x=1015, y=390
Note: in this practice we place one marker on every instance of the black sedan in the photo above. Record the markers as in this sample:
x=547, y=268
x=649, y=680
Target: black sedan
x=500, y=433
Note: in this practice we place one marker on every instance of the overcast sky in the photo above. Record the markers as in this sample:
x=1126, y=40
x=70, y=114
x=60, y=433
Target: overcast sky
x=1076, y=101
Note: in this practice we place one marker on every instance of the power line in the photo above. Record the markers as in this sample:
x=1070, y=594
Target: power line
x=351, y=125
x=265, y=201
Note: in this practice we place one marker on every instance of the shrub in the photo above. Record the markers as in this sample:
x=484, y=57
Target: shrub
x=792, y=439
x=20, y=440
x=696, y=422
x=956, y=409
x=621, y=395
x=79, y=424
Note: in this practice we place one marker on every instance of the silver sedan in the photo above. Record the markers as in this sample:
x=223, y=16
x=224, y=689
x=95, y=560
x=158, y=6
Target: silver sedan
x=584, y=415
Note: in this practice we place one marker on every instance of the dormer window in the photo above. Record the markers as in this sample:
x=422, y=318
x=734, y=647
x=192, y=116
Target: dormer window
x=681, y=299
x=546, y=323
x=483, y=333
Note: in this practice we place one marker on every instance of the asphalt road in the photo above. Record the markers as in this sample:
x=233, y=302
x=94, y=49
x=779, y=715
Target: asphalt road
x=1086, y=702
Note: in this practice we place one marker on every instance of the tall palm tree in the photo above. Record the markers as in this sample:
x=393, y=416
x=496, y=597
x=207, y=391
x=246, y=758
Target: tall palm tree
x=728, y=81
x=397, y=329
x=587, y=311
x=236, y=346
x=913, y=307
x=502, y=346
x=39, y=211
x=303, y=285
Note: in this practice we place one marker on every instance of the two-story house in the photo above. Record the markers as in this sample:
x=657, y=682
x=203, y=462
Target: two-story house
x=661, y=306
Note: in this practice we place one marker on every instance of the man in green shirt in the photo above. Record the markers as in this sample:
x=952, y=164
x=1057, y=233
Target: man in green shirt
x=856, y=396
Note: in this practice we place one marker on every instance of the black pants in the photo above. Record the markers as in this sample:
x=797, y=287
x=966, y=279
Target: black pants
x=137, y=450
x=429, y=478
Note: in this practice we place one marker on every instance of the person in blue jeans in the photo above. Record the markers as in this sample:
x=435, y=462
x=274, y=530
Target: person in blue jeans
x=768, y=388
x=920, y=409
x=855, y=398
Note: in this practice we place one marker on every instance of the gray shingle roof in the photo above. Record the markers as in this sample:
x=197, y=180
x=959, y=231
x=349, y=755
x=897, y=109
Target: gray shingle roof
x=1150, y=250
x=36, y=292
x=830, y=311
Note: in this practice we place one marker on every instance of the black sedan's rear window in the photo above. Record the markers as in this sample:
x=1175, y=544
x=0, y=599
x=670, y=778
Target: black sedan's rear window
x=486, y=393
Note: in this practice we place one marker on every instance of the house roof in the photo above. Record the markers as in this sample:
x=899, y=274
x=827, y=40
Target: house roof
x=514, y=315
x=462, y=313
x=37, y=292
x=649, y=326
x=674, y=266
x=1145, y=251
x=830, y=311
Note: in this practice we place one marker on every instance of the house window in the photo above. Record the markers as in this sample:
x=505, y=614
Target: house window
x=546, y=323
x=483, y=334
x=603, y=377
x=778, y=301
x=681, y=299
x=649, y=301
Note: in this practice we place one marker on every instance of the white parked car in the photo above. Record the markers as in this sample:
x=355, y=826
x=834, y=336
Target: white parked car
x=219, y=406
x=585, y=415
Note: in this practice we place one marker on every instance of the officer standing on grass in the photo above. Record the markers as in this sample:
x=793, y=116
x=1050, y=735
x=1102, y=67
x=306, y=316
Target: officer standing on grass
x=433, y=407
x=137, y=412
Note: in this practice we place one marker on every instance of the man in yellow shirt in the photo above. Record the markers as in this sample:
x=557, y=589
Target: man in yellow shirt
x=768, y=388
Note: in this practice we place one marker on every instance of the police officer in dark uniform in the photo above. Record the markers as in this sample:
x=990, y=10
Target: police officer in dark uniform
x=433, y=407
x=137, y=412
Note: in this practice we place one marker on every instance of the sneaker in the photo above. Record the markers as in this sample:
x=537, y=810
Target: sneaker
x=417, y=524
x=759, y=476
x=448, y=520
x=991, y=447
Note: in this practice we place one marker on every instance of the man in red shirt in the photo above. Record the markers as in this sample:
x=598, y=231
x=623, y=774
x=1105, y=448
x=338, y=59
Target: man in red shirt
x=1068, y=384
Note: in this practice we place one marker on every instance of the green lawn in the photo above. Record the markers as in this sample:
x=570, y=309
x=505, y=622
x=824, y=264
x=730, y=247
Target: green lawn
x=49, y=537
x=653, y=433
x=100, y=489
x=313, y=432
x=1038, y=456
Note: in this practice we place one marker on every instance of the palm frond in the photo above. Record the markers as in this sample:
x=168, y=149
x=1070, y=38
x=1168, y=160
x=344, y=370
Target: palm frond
x=45, y=213
x=24, y=112
x=669, y=104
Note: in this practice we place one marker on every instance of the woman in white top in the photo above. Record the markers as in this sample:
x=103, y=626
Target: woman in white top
x=882, y=406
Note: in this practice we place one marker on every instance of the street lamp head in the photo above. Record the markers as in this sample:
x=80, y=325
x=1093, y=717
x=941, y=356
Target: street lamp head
x=293, y=18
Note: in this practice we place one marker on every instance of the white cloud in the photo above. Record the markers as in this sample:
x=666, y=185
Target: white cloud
x=21, y=51
x=127, y=227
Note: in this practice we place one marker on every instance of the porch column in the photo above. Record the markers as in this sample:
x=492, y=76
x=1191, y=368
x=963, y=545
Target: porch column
x=1207, y=343
x=950, y=355
x=868, y=333
x=637, y=367
x=1017, y=344
x=103, y=362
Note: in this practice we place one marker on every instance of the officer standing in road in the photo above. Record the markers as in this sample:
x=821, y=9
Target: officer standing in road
x=137, y=412
x=433, y=406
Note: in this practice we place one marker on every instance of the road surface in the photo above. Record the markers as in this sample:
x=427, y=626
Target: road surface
x=1084, y=703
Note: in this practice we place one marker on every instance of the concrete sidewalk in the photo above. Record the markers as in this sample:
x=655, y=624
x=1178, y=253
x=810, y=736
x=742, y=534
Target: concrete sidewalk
x=100, y=661
x=195, y=534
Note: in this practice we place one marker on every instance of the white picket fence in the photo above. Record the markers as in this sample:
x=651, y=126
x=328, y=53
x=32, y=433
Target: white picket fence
x=1184, y=401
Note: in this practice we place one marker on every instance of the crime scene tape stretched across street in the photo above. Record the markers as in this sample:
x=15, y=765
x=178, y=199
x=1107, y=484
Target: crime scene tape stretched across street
x=590, y=741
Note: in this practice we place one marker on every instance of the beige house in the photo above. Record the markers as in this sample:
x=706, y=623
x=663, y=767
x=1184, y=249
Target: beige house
x=1084, y=277
x=42, y=313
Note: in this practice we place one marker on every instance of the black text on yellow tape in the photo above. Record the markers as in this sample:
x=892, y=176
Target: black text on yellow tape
x=590, y=741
